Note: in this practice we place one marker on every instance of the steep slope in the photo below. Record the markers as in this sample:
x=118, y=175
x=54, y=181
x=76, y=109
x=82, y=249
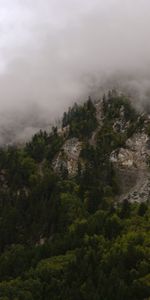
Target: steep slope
x=131, y=153
x=67, y=229
x=131, y=163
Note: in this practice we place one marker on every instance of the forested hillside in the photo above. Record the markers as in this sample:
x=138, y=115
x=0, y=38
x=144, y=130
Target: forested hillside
x=72, y=227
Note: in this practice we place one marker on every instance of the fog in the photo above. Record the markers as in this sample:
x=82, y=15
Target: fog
x=55, y=52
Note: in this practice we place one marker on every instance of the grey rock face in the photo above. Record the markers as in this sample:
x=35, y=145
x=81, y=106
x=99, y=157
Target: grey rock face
x=131, y=163
x=141, y=191
x=68, y=158
x=135, y=154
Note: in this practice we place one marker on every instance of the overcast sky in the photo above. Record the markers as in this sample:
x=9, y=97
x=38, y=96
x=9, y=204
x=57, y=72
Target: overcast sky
x=53, y=52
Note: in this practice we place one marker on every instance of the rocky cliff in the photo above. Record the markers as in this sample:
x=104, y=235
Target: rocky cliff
x=130, y=158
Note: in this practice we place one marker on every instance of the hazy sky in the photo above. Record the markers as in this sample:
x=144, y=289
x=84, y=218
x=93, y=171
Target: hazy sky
x=53, y=52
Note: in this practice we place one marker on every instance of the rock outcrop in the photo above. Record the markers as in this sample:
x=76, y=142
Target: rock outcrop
x=131, y=164
x=131, y=161
x=68, y=158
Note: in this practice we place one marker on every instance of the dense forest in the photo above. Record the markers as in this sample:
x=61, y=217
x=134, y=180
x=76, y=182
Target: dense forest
x=67, y=237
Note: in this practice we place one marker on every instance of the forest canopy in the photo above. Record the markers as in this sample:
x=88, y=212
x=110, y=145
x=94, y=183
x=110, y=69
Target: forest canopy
x=67, y=237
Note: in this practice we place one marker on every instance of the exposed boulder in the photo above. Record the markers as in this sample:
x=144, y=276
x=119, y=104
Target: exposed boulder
x=131, y=164
x=68, y=158
x=135, y=154
x=121, y=125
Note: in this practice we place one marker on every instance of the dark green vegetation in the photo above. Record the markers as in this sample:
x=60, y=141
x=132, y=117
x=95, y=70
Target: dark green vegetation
x=66, y=239
x=81, y=120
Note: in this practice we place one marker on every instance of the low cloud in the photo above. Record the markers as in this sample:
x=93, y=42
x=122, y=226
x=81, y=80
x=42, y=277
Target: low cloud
x=56, y=52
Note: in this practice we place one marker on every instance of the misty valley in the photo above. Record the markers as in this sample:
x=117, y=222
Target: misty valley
x=74, y=150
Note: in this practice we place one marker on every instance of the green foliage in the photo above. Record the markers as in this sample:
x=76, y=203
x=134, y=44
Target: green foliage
x=142, y=209
x=118, y=107
x=44, y=145
x=67, y=238
x=115, y=103
x=81, y=120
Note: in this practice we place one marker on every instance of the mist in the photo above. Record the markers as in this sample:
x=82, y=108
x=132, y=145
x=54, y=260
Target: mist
x=56, y=52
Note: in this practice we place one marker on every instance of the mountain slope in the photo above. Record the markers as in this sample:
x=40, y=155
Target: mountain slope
x=131, y=154
x=74, y=207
